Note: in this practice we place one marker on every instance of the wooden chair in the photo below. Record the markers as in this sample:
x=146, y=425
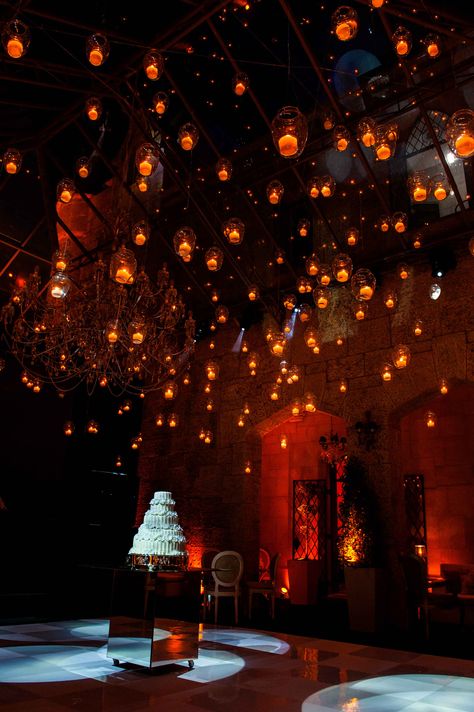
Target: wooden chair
x=266, y=587
x=226, y=568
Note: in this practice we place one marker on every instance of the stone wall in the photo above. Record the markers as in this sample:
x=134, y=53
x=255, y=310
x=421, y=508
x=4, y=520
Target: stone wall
x=218, y=504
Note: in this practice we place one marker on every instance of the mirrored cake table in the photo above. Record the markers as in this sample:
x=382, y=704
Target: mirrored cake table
x=154, y=617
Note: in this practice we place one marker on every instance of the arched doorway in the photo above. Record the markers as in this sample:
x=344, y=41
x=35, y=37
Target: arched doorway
x=291, y=459
x=444, y=456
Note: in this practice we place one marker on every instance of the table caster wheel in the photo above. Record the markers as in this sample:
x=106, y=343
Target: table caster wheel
x=191, y=664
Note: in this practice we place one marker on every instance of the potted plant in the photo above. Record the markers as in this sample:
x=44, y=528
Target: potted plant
x=359, y=548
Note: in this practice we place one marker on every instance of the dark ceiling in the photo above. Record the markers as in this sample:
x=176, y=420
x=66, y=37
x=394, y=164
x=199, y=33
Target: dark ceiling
x=291, y=57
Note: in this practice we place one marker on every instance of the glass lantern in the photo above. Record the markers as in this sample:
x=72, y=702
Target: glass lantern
x=341, y=138
x=443, y=386
x=310, y=337
x=147, y=159
x=418, y=327
x=170, y=390
x=233, y=230
x=137, y=331
x=92, y=427
x=327, y=186
x=277, y=344
x=140, y=233
x=65, y=190
x=97, y=49
x=366, y=132
x=384, y=222
x=289, y=302
x=386, y=372
x=12, y=161
x=274, y=392
x=460, y=133
x=222, y=314
x=430, y=419
x=342, y=268
x=15, y=38
x=440, y=187
x=305, y=313
x=400, y=222
x=363, y=284
x=360, y=310
x=215, y=295
x=290, y=132
x=417, y=241
x=153, y=64
x=280, y=257
x=143, y=184
x=253, y=360
x=68, y=428
x=253, y=292
x=224, y=169
x=188, y=136
x=173, y=420
x=328, y=120
x=402, y=41
x=293, y=375
x=240, y=83
x=403, y=270
x=184, y=242
x=321, y=297
x=352, y=236
x=93, y=108
x=432, y=43
x=345, y=23
x=303, y=285
x=390, y=300
x=313, y=187
x=59, y=285
x=212, y=370
x=303, y=228
x=419, y=186
x=214, y=258
x=385, y=141
x=309, y=402
x=123, y=266
x=324, y=275
x=60, y=260
x=83, y=167
x=401, y=356
x=160, y=103
x=275, y=191
x=312, y=265
x=112, y=331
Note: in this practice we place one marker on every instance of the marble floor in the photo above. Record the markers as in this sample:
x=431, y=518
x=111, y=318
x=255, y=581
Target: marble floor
x=62, y=666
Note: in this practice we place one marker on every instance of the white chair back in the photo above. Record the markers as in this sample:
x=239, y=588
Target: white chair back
x=227, y=568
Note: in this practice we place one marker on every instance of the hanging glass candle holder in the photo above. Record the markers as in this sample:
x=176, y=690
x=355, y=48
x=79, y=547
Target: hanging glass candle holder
x=160, y=102
x=293, y=375
x=360, y=310
x=310, y=337
x=401, y=356
x=418, y=327
x=59, y=285
x=147, y=158
x=328, y=120
x=305, y=313
x=65, y=190
x=460, y=133
x=343, y=386
x=173, y=420
x=224, y=169
x=93, y=108
x=97, y=49
x=277, y=344
x=303, y=228
x=123, y=266
x=288, y=326
x=112, y=331
x=275, y=191
x=68, y=428
x=312, y=265
x=443, y=386
x=400, y=222
x=327, y=186
x=366, y=131
x=403, y=270
x=222, y=314
x=215, y=295
x=430, y=419
x=209, y=405
x=12, y=161
x=345, y=23
x=341, y=138
x=402, y=41
x=253, y=292
x=274, y=392
x=313, y=187
x=233, y=230
x=342, y=267
x=214, y=258
x=15, y=38
x=184, y=242
x=83, y=167
x=432, y=43
x=240, y=83
x=143, y=184
x=390, y=299
x=290, y=132
x=386, y=372
x=60, y=261
x=170, y=390
x=188, y=136
x=321, y=297
x=137, y=331
x=352, y=236
x=309, y=402
x=212, y=370
x=385, y=142
x=440, y=187
x=363, y=284
x=153, y=64
x=384, y=222
x=303, y=285
x=419, y=186
x=417, y=240
x=92, y=427
x=324, y=275
x=140, y=232
x=253, y=360
x=280, y=257
x=289, y=301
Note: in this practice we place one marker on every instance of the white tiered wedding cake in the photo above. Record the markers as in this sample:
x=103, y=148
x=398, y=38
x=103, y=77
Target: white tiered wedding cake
x=159, y=542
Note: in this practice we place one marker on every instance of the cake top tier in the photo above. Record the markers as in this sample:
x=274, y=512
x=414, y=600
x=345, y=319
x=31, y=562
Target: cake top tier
x=162, y=497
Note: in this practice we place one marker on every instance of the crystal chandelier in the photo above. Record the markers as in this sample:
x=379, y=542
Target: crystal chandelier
x=118, y=329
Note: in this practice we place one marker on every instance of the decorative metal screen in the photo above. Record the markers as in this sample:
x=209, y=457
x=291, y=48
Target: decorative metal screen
x=309, y=519
x=420, y=138
x=414, y=486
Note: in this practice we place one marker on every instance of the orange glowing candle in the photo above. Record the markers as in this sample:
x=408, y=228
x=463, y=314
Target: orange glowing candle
x=368, y=139
x=96, y=57
x=223, y=174
x=322, y=302
x=342, y=144
x=402, y=48
x=123, y=275
x=239, y=88
x=83, y=171
x=92, y=113
x=366, y=292
x=66, y=196
x=419, y=194
x=464, y=145
x=145, y=168
x=325, y=279
x=187, y=143
x=288, y=145
x=383, y=152
x=433, y=49
x=15, y=48
x=314, y=192
x=11, y=167
x=342, y=275
x=440, y=192
x=152, y=71
x=326, y=191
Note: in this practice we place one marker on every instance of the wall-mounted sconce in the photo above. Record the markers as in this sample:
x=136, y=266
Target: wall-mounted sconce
x=367, y=430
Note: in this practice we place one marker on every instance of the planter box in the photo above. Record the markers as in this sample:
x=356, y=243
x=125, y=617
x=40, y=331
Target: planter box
x=303, y=575
x=365, y=598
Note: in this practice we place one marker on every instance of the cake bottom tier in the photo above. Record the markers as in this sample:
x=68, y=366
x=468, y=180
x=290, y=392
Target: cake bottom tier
x=158, y=562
